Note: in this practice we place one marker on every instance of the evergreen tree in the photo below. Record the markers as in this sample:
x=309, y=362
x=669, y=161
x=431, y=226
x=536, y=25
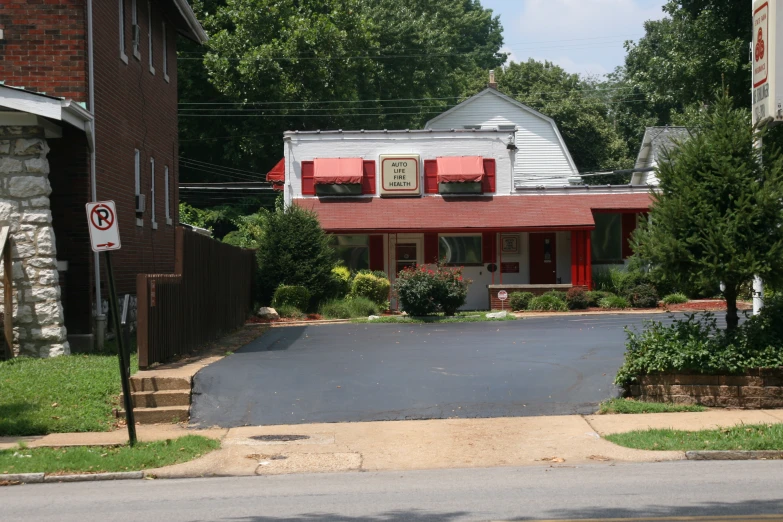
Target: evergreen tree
x=294, y=250
x=718, y=216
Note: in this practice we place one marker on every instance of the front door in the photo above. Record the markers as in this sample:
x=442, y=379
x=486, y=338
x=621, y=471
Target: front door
x=407, y=255
x=543, y=263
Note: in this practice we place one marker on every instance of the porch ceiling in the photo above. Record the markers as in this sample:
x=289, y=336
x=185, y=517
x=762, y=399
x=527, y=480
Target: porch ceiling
x=540, y=212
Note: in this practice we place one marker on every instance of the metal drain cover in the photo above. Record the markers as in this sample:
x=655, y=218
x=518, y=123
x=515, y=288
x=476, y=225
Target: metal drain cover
x=280, y=438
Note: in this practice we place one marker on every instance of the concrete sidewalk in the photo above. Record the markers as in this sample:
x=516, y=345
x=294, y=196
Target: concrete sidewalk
x=409, y=445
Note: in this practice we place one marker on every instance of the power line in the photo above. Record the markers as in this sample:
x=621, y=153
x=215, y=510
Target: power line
x=240, y=171
x=218, y=173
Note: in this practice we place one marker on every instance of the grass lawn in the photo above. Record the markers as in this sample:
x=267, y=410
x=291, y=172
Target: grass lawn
x=97, y=459
x=632, y=406
x=61, y=394
x=742, y=437
x=460, y=317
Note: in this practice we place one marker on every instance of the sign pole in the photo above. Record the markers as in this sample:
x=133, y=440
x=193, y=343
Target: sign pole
x=121, y=354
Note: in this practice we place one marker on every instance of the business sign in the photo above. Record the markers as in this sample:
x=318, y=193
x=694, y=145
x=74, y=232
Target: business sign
x=767, y=98
x=400, y=175
x=102, y=222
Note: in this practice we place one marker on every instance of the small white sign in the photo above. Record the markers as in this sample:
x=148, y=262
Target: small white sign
x=102, y=221
x=502, y=295
x=400, y=175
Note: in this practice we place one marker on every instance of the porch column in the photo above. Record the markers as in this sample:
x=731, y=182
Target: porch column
x=581, y=263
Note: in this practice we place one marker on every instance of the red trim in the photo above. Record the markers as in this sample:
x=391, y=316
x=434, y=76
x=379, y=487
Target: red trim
x=629, y=225
x=640, y=210
x=376, y=253
x=368, y=179
x=431, y=176
x=308, y=181
x=580, y=258
x=431, y=248
x=488, y=247
x=488, y=183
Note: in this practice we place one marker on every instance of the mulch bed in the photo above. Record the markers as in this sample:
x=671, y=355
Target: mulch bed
x=705, y=305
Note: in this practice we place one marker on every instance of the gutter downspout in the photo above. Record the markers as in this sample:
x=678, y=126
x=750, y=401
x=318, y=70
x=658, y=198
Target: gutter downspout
x=100, y=318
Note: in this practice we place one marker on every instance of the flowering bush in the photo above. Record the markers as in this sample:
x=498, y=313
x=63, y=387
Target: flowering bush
x=424, y=291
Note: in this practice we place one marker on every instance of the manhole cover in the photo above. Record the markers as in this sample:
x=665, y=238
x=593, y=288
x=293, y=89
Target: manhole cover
x=280, y=438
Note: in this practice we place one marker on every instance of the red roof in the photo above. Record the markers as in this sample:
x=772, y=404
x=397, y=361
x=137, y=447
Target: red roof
x=534, y=212
x=460, y=169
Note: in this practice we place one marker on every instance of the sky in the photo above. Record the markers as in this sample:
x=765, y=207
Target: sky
x=581, y=36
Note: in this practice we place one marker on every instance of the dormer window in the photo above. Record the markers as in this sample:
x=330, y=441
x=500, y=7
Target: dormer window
x=460, y=175
x=338, y=177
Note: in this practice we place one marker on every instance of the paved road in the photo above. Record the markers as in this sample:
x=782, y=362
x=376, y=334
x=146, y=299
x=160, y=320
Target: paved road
x=353, y=372
x=673, y=489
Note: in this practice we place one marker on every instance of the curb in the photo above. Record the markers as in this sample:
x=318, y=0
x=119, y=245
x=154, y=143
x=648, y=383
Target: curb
x=733, y=455
x=38, y=478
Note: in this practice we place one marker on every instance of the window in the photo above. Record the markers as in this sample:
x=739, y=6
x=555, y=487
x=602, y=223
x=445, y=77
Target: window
x=460, y=250
x=137, y=181
x=149, y=35
x=152, y=192
x=135, y=30
x=166, y=191
x=606, y=239
x=471, y=127
x=507, y=127
x=123, y=56
x=354, y=251
x=165, y=54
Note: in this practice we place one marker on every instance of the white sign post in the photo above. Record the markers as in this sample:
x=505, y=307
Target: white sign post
x=102, y=221
x=105, y=237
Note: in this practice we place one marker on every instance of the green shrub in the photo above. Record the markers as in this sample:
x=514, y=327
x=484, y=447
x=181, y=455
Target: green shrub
x=376, y=273
x=602, y=280
x=548, y=302
x=644, y=296
x=341, y=282
x=675, y=299
x=294, y=250
x=614, y=302
x=595, y=296
x=697, y=345
x=288, y=311
x=348, y=308
x=557, y=294
x=519, y=300
x=296, y=296
x=576, y=299
x=424, y=291
x=372, y=287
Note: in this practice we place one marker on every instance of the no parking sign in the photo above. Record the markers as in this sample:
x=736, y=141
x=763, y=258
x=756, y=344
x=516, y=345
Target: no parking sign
x=102, y=222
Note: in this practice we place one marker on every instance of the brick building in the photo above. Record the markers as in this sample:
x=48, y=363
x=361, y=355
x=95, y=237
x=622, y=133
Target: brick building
x=89, y=91
x=488, y=185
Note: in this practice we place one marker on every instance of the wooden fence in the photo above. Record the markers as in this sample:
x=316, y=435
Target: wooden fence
x=210, y=294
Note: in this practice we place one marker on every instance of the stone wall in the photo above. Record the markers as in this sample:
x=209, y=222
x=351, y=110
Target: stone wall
x=39, y=330
x=757, y=389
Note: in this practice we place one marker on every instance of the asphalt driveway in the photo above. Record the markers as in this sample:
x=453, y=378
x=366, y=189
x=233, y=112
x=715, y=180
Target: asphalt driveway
x=358, y=372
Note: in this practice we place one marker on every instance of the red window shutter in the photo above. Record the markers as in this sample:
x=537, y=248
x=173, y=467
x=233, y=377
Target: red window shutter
x=488, y=247
x=430, y=176
x=431, y=249
x=376, y=253
x=308, y=181
x=368, y=180
x=629, y=225
x=488, y=183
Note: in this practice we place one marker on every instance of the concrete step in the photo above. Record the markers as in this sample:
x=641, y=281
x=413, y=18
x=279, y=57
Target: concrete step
x=150, y=384
x=159, y=399
x=165, y=415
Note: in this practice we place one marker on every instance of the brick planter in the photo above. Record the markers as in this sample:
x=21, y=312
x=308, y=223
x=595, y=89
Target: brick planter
x=756, y=389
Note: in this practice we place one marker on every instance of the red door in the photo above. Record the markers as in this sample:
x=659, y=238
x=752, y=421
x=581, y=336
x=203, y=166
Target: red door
x=543, y=262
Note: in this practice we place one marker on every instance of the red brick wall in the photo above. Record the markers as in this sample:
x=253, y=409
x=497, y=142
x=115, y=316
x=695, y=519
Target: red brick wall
x=45, y=46
x=136, y=110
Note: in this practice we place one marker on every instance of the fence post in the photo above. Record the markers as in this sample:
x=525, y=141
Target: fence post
x=142, y=320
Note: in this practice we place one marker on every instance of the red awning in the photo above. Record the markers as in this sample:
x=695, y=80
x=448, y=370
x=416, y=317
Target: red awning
x=329, y=171
x=276, y=176
x=460, y=169
x=454, y=214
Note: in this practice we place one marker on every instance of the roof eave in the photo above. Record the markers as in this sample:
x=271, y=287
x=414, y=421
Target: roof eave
x=195, y=32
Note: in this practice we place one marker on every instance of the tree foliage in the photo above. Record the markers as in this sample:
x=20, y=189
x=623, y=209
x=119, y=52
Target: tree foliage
x=276, y=65
x=718, y=216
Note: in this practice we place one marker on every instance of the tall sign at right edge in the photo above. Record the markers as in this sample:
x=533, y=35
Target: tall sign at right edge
x=767, y=100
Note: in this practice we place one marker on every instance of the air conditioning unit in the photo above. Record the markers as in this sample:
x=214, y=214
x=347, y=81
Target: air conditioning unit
x=141, y=203
x=136, y=35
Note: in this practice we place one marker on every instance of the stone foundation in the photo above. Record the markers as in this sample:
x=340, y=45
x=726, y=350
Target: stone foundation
x=758, y=389
x=24, y=207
